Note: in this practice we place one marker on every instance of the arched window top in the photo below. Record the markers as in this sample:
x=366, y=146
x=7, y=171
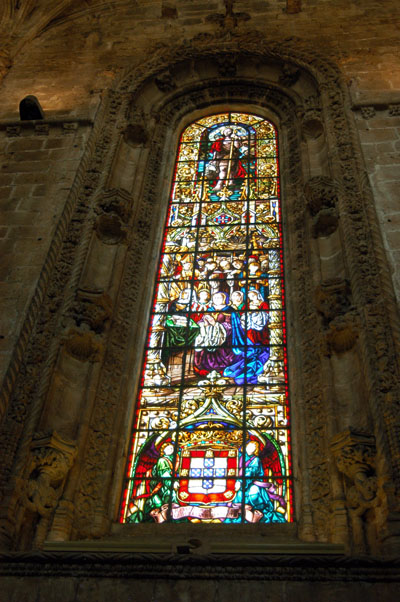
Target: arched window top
x=211, y=433
x=243, y=122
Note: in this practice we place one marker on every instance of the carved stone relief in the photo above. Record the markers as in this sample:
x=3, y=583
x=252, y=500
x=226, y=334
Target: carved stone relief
x=368, y=112
x=322, y=199
x=227, y=66
x=51, y=459
x=165, y=82
x=311, y=117
x=355, y=455
x=135, y=134
x=332, y=299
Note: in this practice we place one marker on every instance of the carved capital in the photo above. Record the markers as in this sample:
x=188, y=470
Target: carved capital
x=135, y=134
x=342, y=334
x=325, y=222
x=51, y=458
x=355, y=453
x=333, y=302
x=93, y=309
x=116, y=201
x=311, y=116
x=332, y=298
x=109, y=229
x=320, y=194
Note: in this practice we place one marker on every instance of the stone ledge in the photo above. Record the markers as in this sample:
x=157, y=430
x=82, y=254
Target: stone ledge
x=266, y=567
x=160, y=546
x=57, y=122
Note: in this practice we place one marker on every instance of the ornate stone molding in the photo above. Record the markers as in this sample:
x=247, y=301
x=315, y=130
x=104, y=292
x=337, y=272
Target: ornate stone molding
x=165, y=82
x=332, y=298
x=369, y=111
x=227, y=65
x=115, y=201
x=342, y=334
x=355, y=453
x=109, y=229
x=230, y=20
x=35, y=307
x=394, y=110
x=289, y=76
x=275, y=567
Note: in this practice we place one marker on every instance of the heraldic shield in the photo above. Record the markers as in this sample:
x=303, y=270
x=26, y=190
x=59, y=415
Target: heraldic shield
x=210, y=471
x=211, y=475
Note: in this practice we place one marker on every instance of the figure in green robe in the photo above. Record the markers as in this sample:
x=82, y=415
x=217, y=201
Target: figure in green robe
x=257, y=492
x=156, y=490
x=161, y=483
x=180, y=330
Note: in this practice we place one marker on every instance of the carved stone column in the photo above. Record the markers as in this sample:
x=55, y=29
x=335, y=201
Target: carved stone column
x=51, y=460
x=341, y=324
x=355, y=453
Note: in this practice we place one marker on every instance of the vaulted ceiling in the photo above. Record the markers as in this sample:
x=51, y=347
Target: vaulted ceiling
x=66, y=52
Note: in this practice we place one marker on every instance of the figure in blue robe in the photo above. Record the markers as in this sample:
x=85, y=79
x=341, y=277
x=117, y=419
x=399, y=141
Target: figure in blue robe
x=257, y=493
x=250, y=359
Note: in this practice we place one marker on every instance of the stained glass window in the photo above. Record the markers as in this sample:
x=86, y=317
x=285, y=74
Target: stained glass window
x=211, y=439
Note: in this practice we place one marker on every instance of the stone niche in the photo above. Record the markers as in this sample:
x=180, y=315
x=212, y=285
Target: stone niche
x=77, y=396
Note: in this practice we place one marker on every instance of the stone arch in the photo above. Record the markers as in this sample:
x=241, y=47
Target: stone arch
x=341, y=303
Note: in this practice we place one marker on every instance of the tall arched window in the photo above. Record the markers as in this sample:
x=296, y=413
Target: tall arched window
x=211, y=440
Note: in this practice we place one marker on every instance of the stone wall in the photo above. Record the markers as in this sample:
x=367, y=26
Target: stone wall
x=39, y=166
x=103, y=589
x=379, y=130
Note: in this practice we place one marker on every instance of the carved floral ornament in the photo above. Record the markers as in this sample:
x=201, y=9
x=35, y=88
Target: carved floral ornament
x=175, y=96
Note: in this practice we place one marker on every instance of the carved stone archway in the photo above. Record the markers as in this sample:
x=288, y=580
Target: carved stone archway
x=89, y=330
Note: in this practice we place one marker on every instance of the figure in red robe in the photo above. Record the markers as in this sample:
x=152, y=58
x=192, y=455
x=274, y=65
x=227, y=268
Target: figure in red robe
x=257, y=318
x=225, y=165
